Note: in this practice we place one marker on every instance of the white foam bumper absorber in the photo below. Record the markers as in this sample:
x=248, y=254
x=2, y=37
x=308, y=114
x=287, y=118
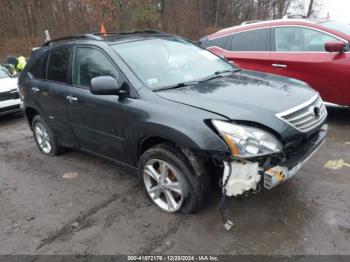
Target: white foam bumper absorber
x=243, y=177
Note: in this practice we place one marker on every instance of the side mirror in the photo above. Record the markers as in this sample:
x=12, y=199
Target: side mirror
x=338, y=47
x=107, y=85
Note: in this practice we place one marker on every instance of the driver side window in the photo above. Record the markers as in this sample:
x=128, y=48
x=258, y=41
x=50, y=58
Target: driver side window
x=90, y=63
x=300, y=39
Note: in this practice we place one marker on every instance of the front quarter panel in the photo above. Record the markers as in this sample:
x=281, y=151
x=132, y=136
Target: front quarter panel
x=175, y=122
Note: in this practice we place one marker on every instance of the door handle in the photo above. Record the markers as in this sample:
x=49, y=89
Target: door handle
x=35, y=90
x=279, y=65
x=71, y=99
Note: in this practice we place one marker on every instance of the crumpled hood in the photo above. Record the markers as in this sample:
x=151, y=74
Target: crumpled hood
x=7, y=84
x=247, y=96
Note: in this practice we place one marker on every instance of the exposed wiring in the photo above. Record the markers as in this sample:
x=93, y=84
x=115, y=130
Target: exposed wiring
x=228, y=224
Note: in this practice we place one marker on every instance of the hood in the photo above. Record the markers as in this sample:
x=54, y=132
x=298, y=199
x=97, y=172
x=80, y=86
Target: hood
x=7, y=84
x=247, y=96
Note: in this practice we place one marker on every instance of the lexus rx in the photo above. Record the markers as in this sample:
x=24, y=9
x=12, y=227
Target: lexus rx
x=177, y=113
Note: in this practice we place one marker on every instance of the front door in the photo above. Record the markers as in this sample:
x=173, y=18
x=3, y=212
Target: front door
x=299, y=52
x=95, y=120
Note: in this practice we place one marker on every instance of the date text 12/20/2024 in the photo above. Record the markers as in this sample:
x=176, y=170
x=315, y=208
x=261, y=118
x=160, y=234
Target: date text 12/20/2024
x=173, y=258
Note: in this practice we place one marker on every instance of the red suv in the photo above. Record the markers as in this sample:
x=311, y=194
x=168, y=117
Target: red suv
x=314, y=51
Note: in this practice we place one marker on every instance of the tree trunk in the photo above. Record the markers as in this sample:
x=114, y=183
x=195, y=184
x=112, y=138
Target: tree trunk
x=311, y=8
x=218, y=3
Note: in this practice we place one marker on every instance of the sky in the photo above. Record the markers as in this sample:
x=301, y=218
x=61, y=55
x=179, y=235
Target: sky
x=338, y=10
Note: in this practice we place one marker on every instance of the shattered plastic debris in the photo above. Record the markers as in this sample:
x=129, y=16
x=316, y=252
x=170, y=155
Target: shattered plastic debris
x=75, y=224
x=70, y=175
x=31, y=218
x=336, y=164
x=146, y=224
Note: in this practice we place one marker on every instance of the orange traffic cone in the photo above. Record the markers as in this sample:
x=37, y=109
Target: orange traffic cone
x=103, y=30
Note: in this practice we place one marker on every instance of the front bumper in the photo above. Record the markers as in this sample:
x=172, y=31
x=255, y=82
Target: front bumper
x=289, y=168
x=243, y=176
x=10, y=107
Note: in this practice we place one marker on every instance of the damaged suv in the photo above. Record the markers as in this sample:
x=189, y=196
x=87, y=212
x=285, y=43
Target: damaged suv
x=176, y=113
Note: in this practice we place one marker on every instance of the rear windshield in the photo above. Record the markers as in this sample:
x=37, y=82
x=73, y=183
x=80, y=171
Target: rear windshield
x=338, y=26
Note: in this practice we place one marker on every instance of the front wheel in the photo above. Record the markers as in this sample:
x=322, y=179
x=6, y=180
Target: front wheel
x=170, y=181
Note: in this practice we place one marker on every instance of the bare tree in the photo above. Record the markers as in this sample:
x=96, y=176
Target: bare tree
x=311, y=8
x=218, y=5
x=22, y=23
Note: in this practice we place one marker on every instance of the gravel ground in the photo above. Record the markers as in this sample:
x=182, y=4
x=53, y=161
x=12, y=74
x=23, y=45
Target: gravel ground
x=103, y=210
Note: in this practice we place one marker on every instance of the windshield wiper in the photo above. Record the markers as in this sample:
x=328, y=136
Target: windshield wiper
x=227, y=71
x=217, y=74
x=178, y=85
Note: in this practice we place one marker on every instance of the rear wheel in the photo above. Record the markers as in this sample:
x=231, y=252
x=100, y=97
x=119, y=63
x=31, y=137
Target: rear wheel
x=170, y=181
x=44, y=137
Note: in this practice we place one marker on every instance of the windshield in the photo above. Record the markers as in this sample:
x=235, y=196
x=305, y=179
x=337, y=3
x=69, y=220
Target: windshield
x=338, y=26
x=4, y=73
x=167, y=62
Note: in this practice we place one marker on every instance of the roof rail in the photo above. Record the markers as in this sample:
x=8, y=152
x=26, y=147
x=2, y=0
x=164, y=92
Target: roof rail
x=67, y=38
x=107, y=34
x=100, y=36
x=251, y=22
x=296, y=16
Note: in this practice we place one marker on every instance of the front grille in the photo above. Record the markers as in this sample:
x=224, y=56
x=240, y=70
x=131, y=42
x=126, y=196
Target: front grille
x=9, y=95
x=306, y=116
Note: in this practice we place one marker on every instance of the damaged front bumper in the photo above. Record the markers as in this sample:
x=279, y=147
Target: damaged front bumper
x=242, y=176
x=287, y=169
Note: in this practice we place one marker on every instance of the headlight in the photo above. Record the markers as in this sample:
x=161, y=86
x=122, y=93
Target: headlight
x=245, y=141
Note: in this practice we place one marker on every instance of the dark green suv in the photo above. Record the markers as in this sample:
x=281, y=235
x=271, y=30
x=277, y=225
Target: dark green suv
x=176, y=113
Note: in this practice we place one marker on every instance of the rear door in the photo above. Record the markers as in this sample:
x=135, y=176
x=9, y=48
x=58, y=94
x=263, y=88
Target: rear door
x=249, y=49
x=49, y=88
x=299, y=52
x=95, y=119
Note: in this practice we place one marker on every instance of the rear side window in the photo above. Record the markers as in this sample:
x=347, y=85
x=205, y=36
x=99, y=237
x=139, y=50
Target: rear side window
x=90, y=63
x=38, y=70
x=59, y=65
x=219, y=42
x=255, y=40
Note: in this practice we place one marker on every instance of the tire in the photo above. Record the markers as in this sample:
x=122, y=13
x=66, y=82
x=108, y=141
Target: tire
x=46, y=142
x=194, y=187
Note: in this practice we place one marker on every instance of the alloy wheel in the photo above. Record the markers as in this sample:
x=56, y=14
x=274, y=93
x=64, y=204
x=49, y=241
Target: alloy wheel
x=43, y=138
x=163, y=185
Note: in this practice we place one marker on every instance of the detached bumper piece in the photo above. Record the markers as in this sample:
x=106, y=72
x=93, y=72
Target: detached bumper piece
x=291, y=167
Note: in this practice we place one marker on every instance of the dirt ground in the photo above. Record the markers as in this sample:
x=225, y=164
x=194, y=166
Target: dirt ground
x=104, y=211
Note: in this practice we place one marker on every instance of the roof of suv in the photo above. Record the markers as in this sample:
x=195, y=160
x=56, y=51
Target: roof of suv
x=316, y=23
x=110, y=36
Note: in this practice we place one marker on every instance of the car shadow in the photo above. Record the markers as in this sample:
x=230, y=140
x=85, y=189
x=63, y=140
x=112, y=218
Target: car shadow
x=338, y=116
x=8, y=119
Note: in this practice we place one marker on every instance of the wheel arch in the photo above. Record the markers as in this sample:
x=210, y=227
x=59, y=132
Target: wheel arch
x=198, y=141
x=151, y=141
x=30, y=113
x=194, y=160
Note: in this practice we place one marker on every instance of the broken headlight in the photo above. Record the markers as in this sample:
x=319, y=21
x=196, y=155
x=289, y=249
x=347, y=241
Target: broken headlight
x=245, y=141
